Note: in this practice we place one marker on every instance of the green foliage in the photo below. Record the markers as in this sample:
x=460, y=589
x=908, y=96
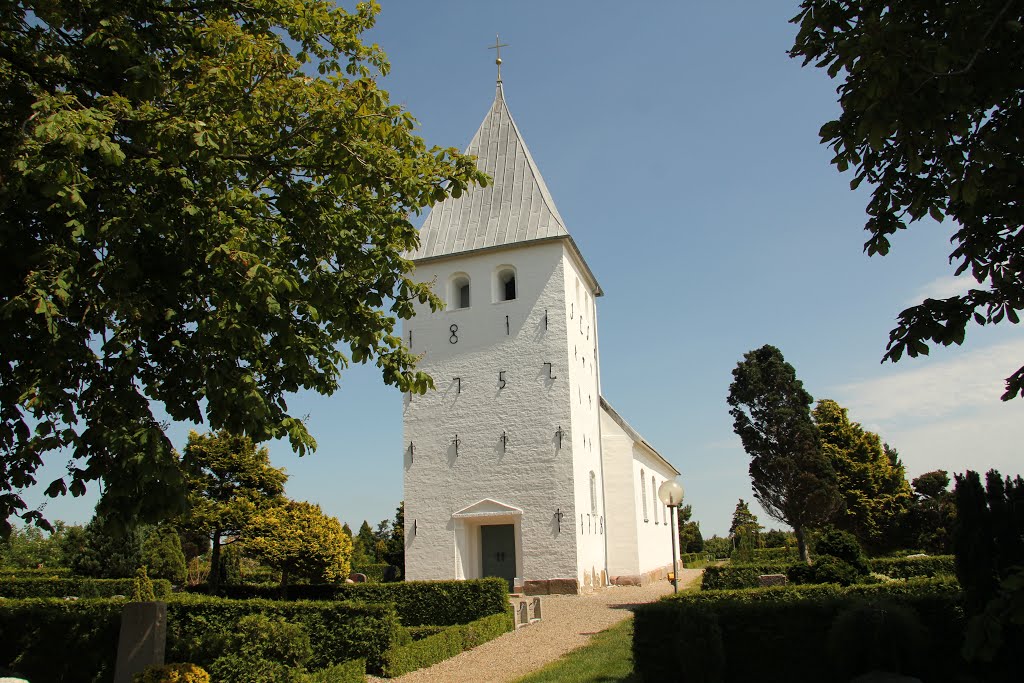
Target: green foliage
x=394, y=553
x=929, y=522
x=930, y=121
x=870, y=478
x=142, y=587
x=373, y=572
x=844, y=546
x=739, y=575
x=43, y=587
x=703, y=660
x=718, y=547
x=446, y=644
x=830, y=569
x=776, y=554
x=172, y=673
x=791, y=479
x=436, y=603
x=229, y=481
x=989, y=547
x=230, y=569
x=352, y=671
x=103, y=551
x=876, y=636
x=906, y=567
x=261, y=649
x=755, y=625
x=364, y=545
x=205, y=207
x=60, y=641
x=744, y=531
x=30, y=547
x=776, y=538
x=298, y=539
x=162, y=556
x=338, y=631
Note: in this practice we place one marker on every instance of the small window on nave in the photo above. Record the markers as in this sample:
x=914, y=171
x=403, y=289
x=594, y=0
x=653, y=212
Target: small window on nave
x=593, y=493
x=505, y=284
x=643, y=491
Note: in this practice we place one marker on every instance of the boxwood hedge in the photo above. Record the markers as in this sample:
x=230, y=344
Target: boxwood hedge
x=60, y=641
x=446, y=644
x=418, y=603
x=733, y=575
x=81, y=587
x=338, y=631
x=737, y=635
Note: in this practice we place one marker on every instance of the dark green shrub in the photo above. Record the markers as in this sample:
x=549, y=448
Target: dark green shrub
x=703, y=659
x=446, y=644
x=78, y=586
x=906, y=567
x=142, y=587
x=338, y=631
x=162, y=555
x=780, y=555
x=879, y=636
x=60, y=641
x=800, y=574
x=757, y=624
x=829, y=569
x=353, y=671
x=843, y=545
x=261, y=649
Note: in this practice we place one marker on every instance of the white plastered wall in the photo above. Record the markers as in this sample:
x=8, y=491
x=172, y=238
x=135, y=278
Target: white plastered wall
x=654, y=538
x=531, y=473
x=585, y=406
x=620, y=488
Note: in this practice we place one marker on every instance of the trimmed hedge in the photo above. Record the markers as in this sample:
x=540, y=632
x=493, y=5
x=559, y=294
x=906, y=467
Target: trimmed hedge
x=732, y=576
x=60, y=641
x=338, y=631
x=446, y=644
x=353, y=671
x=374, y=572
x=7, y=573
x=81, y=587
x=737, y=635
x=418, y=603
x=907, y=567
x=776, y=555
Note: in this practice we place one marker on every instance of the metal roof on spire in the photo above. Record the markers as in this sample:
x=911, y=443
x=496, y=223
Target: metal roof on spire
x=515, y=208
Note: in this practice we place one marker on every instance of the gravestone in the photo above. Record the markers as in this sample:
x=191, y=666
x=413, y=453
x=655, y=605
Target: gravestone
x=142, y=640
x=772, y=580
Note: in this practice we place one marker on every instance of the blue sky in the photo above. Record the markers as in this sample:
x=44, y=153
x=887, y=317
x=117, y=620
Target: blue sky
x=680, y=145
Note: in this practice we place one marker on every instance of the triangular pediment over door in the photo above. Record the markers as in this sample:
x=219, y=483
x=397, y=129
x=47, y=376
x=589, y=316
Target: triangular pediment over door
x=487, y=507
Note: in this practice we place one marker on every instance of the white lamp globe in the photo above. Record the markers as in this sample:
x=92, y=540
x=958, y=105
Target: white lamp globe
x=670, y=493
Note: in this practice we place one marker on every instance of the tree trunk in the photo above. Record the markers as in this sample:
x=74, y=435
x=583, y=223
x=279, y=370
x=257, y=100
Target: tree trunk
x=801, y=543
x=214, y=580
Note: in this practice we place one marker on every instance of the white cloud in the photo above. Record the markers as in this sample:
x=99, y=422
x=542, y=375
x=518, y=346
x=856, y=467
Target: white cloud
x=946, y=413
x=941, y=288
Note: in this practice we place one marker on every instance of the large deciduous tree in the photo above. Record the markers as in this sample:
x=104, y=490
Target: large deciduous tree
x=771, y=412
x=229, y=481
x=298, y=539
x=931, y=118
x=203, y=206
x=869, y=475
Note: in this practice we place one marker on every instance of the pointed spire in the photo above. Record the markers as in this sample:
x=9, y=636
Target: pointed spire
x=516, y=207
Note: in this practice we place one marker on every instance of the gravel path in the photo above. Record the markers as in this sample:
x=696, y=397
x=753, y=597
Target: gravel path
x=568, y=623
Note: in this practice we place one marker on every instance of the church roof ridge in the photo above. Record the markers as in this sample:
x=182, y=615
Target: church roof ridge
x=635, y=435
x=516, y=207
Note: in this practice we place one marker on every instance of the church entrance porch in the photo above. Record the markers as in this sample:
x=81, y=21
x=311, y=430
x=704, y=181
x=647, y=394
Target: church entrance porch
x=498, y=551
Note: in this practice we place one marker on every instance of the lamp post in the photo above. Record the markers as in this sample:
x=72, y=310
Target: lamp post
x=670, y=493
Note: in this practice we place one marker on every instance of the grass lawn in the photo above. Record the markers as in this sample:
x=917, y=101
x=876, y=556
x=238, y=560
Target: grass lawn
x=607, y=658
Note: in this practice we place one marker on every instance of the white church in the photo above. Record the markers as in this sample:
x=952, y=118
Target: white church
x=516, y=465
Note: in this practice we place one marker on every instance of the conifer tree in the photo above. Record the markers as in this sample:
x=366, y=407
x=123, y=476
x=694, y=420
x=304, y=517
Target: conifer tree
x=162, y=555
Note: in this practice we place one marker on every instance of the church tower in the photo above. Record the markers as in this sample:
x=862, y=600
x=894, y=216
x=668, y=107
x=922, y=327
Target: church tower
x=503, y=460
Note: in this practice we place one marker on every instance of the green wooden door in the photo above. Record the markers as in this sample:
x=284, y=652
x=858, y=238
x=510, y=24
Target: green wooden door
x=498, y=543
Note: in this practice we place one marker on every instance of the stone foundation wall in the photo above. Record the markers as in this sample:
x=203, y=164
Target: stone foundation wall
x=659, y=574
x=552, y=587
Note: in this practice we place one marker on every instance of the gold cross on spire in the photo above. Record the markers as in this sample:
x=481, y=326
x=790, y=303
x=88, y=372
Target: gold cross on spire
x=497, y=47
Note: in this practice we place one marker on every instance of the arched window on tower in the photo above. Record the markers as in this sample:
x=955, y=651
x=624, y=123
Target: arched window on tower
x=643, y=491
x=458, y=291
x=505, y=284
